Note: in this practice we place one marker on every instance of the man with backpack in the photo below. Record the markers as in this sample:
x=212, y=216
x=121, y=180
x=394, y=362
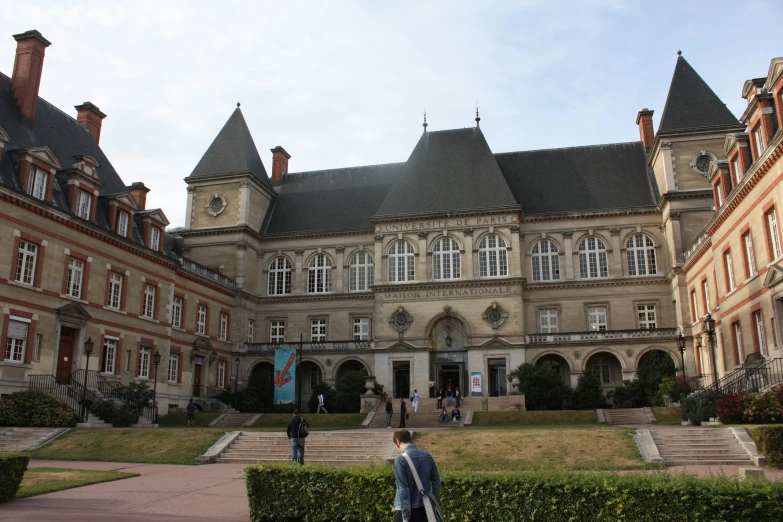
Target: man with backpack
x=321, y=401
x=297, y=431
x=415, y=473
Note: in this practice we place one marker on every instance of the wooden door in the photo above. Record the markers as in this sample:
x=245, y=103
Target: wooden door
x=197, y=380
x=65, y=356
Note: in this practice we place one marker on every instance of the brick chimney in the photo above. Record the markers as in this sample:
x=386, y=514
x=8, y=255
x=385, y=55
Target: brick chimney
x=91, y=117
x=645, y=123
x=139, y=192
x=279, y=163
x=28, y=66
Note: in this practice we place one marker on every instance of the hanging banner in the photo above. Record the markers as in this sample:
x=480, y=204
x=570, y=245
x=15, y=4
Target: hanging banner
x=475, y=384
x=285, y=375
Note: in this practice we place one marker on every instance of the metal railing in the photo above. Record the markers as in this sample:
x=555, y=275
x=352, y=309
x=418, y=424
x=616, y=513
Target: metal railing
x=312, y=346
x=750, y=378
x=597, y=336
x=192, y=266
x=112, y=391
x=207, y=392
x=64, y=393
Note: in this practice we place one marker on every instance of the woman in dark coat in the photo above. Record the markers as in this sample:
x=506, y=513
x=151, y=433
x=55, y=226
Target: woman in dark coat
x=403, y=413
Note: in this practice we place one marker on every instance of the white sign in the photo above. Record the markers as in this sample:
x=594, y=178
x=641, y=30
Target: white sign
x=475, y=384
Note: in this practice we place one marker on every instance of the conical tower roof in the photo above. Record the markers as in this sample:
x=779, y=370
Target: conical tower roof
x=232, y=152
x=692, y=105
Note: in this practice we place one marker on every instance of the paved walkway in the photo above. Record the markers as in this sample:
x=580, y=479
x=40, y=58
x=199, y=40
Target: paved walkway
x=214, y=492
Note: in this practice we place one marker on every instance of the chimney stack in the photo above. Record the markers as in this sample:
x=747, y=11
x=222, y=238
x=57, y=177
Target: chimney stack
x=139, y=192
x=28, y=66
x=279, y=163
x=91, y=117
x=645, y=123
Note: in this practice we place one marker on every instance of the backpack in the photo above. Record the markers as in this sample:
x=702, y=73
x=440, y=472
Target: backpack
x=304, y=431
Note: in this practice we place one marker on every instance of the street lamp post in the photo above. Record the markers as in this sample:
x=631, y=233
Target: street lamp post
x=156, y=361
x=709, y=327
x=681, y=348
x=88, y=345
x=236, y=380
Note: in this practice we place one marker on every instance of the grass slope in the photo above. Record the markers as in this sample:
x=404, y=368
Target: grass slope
x=38, y=481
x=523, y=419
x=153, y=446
x=332, y=421
x=668, y=415
x=179, y=419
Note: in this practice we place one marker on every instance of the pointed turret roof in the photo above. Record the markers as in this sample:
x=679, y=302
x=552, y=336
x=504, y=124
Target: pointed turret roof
x=692, y=105
x=232, y=152
x=448, y=171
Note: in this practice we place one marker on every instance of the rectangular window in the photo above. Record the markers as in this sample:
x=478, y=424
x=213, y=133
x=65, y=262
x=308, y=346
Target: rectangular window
x=318, y=330
x=548, y=321
x=597, y=319
x=36, y=184
x=122, y=223
x=201, y=321
x=719, y=193
x=154, y=238
x=728, y=265
x=694, y=306
x=109, y=354
x=16, y=339
x=173, y=367
x=603, y=370
x=738, y=342
x=176, y=312
x=314, y=380
x=750, y=257
x=26, y=259
x=706, y=292
x=361, y=329
x=758, y=320
x=737, y=169
x=73, y=285
x=647, y=317
x=149, y=302
x=277, y=331
x=250, y=330
x=223, y=326
x=144, y=363
x=774, y=234
x=115, y=291
x=83, y=204
x=758, y=136
x=221, y=376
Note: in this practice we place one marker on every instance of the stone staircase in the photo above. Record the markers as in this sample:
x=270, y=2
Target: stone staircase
x=93, y=421
x=421, y=419
x=25, y=439
x=626, y=416
x=335, y=448
x=703, y=446
x=235, y=420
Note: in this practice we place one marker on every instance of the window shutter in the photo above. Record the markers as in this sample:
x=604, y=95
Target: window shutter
x=17, y=330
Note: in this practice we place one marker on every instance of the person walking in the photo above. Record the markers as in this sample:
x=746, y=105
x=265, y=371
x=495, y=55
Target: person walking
x=296, y=432
x=321, y=401
x=415, y=400
x=389, y=412
x=403, y=413
x=409, y=503
x=449, y=395
x=440, y=398
x=457, y=396
x=191, y=412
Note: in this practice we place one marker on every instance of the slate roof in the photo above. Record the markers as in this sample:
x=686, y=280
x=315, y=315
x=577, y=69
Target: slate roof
x=448, y=171
x=692, y=105
x=328, y=200
x=595, y=177
x=232, y=152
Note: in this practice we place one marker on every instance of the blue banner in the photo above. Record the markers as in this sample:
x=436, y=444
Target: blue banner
x=285, y=375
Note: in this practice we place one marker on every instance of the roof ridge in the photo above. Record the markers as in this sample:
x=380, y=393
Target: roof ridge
x=569, y=148
x=302, y=173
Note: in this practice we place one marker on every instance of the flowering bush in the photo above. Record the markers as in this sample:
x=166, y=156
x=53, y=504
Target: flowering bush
x=732, y=406
x=762, y=408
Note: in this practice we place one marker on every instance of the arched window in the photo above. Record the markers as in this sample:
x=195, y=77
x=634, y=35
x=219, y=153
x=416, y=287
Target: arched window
x=592, y=259
x=280, y=276
x=401, y=262
x=546, y=261
x=361, y=273
x=641, y=256
x=493, y=258
x=319, y=279
x=445, y=259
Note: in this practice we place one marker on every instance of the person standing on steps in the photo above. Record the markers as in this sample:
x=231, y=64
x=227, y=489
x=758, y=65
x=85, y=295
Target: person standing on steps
x=408, y=501
x=440, y=398
x=457, y=396
x=389, y=412
x=449, y=395
x=321, y=404
x=403, y=413
x=415, y=400
x=191, y=412
x=297, y=430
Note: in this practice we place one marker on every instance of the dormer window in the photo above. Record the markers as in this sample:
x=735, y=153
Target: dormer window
x=737, y=169
x=154, y=242
x=122, y=223
x=36, y=185
x=719, y=194
x=83, y=204
x=758, y=136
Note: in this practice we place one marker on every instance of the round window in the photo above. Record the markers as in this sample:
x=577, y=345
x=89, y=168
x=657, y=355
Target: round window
x=495, y=316
x=401, y=320
x=703, y=163
x=216, y=205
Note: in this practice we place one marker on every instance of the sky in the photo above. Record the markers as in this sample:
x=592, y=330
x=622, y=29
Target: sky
x=339, y=84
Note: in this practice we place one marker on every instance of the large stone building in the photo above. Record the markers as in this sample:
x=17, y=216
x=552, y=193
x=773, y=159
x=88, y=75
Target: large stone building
x=455, y=262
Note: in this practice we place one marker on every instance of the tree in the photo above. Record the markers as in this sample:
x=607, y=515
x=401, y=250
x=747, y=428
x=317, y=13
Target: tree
x=588, y=394
x=348, y=388
x=654, y=366
x=630, y=395
x=542, y=386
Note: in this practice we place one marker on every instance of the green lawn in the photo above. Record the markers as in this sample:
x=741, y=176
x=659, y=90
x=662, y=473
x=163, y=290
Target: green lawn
x=144, y=445
x=527, y=419
x=668, y=415
x=332, y=421
x=178, y=419
x=38, y=481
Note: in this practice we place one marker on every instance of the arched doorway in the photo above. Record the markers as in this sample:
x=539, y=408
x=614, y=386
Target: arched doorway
x=262, y=380
x=557, y=363
x=448, y=355
x=607, y=367
x=311, y=376
x=653, y=366
x=351, y=365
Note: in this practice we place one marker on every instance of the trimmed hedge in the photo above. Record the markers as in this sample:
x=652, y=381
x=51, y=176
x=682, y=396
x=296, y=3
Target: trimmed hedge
x=34, y=408
x=285, y=493
x=769, y=440
x=12, y=468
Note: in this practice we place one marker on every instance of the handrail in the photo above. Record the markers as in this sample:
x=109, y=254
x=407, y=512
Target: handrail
x=48, y=383
x=112, y=391
x=745, y=379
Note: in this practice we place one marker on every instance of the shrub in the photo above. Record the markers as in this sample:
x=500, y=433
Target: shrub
x=34, y=408
x=543, y=387
x=318, y=493
x=588, y=394
x=630, y=395
x=762, y=408
x=700, y=410
x=654, y=366
x=12, y=468
x=119, y=416
x=769, y=440
x=730, y=407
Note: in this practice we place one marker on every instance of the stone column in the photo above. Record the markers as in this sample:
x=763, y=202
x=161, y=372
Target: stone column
x=338, y=282
x=569, y=254
x=298, y=281
x=421, y=261
x=517, y=253
x=240, y=271
x=616, y=259
x=467, y=254
x=189, y=213
x=244, y=202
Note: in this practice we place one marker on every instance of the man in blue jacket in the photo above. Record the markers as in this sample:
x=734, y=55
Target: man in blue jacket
x=408, y=502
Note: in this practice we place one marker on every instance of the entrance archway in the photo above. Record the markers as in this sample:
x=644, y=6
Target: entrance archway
x=607, y=367
x=448, y=355
x=557, y=363
x=351, y=365
x=653, y=366
x=311, y=376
